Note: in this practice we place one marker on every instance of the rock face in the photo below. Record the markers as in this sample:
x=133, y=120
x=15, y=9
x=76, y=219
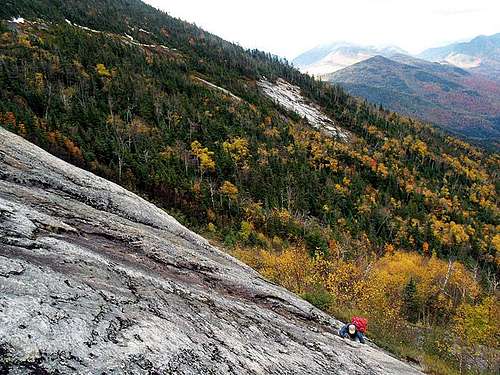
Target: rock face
x=93, y=280
x=290, y=97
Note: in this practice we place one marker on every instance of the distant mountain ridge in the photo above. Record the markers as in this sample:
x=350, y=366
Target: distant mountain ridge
x=480, y=51
x=481, y=55
x=460, y=101
x=455, y=86
x=335, y=56
x=481, y=46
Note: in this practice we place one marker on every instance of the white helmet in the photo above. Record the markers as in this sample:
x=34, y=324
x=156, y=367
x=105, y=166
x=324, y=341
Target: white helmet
x=352, y=329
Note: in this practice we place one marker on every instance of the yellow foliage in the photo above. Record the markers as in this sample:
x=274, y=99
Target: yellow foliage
x=450, y=233
x=289, y=268
x=140, y=127
x=419, y=147
x=246, y=229
x=39, y=81
x=389, y=249
x=229, y=189
x=237, y=149
x=484, y=195
x=441, y=286
x=253, y=211
x=263, y=156
x=6, y=38
x=478, y=324
x=196, y=188
x=382, y=170
x=168, y=152
x=272, y=132
x=496, y=242
x=465, y=166
x=373, y=130
x=368, y=200
x=102, y=71
x=24, y=41
x=344, y=282
x=282, y=214
x=375, y=287
x=392, y=146
x=204, y=156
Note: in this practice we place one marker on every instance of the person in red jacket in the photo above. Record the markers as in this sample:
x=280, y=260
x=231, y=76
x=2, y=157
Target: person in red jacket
x=354, y=330
x=350, y=331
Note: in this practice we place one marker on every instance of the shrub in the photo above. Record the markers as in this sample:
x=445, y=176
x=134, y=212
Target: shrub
x=319, y=297
x=316, y=244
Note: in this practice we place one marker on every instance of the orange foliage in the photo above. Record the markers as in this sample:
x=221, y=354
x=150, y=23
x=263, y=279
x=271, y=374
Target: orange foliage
x=229, y=189
x=73, y=149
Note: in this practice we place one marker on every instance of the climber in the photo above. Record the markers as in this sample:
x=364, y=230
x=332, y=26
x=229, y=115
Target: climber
x=354, y=330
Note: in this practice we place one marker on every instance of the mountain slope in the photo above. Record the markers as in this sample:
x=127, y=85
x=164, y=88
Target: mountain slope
x=96, y=279
x=289, y=173
x=446, y=95
x=481, y=55
x=480, y=46
x=214, y=132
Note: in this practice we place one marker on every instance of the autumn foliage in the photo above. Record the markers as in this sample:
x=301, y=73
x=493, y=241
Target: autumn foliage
x=441, y=294
x=400, y=223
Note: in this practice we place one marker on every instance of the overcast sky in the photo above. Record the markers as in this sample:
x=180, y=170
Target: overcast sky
x=289, y=27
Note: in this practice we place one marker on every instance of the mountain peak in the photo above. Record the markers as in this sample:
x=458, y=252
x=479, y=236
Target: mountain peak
x=435, y=92
x=482, y=48
x=328, y=58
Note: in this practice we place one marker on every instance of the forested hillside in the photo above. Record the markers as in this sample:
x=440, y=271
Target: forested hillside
x=463, y=103
x=397, y=221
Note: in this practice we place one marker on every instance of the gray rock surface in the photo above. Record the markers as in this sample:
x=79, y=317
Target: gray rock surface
x=94, y=279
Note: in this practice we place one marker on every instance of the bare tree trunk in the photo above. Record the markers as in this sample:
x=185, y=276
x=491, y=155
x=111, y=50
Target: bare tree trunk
x=49, y=99
x=212, y=194
x=120, y=166
x=448, y=274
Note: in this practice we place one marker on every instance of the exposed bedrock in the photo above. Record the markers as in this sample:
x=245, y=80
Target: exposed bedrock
x=95, y=279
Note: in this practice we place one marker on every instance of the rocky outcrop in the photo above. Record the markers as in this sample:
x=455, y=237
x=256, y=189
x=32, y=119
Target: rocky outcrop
x=290, y=97
x=94, y=279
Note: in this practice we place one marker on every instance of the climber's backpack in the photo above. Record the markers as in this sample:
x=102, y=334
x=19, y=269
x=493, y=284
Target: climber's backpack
x=360, y=323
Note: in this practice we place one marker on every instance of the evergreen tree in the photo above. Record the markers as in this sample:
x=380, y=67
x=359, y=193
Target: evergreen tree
x=410, y=302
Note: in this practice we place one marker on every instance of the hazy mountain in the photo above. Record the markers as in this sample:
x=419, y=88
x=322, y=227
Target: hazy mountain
x=481, y=55
x=455, y=86
x=454, y=98
x=332, y=57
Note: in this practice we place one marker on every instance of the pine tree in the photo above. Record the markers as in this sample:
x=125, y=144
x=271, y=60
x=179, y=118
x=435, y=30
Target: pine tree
x=410, y=303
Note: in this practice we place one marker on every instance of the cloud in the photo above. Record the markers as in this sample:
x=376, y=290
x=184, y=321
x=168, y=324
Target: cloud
x=289, y=27
x=455, y=12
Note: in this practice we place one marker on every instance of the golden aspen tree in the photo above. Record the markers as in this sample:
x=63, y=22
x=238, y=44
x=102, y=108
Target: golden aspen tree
x=204, y=157
x=102, y=71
